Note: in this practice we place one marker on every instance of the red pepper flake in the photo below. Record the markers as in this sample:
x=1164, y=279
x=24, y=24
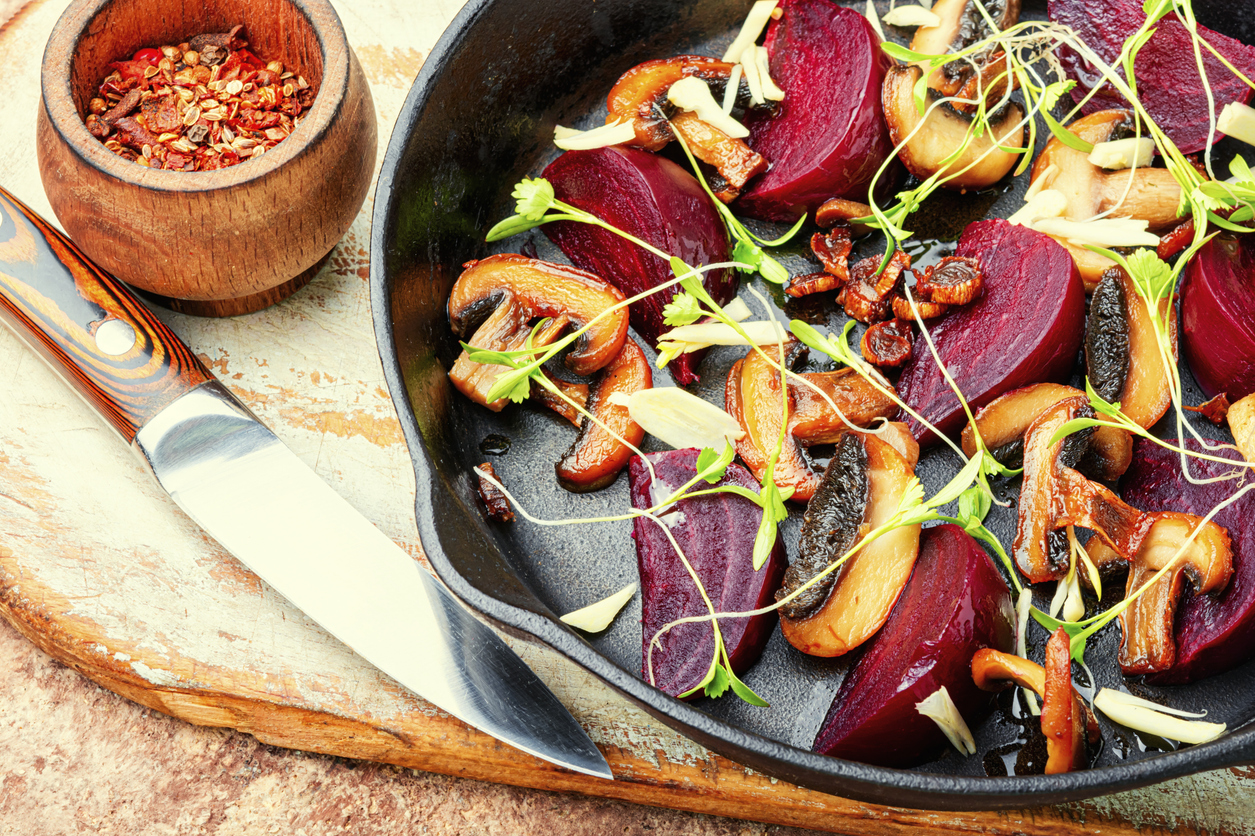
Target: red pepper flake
x=202, y=105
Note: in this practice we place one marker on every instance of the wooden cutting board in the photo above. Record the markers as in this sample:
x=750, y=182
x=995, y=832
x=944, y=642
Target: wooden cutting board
x=102, y=571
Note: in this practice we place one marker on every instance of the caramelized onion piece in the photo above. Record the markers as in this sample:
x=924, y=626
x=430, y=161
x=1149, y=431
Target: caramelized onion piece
x=596, y=456
x=1215, y=410
x=809, y=283
x=753, y=397
x=952, y=281
x=1148, y=644
x=887, y=344
x=832, y=248
x=927, y=310
x=868, y=584
x=1003, y=421
x=868, y=295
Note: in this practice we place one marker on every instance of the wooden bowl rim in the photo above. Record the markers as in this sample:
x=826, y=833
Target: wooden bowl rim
x=63, y=116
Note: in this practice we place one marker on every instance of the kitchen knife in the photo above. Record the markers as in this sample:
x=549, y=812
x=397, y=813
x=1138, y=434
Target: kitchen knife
x=234, y=478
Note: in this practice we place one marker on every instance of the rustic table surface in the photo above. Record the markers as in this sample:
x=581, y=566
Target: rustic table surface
x=216, y=692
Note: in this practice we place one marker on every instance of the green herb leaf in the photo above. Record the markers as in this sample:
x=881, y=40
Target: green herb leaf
x=512, y=225
x=683, y=309
x=712, y=465
x=488, y=356
x=748, y=252
x=534, y=197
x=974, y=505
x=719, y=683
x=956, y=486
x=744, y=692
x=1101, y=406
x=1073, y=630
x=1075, y=426
x=515, y=385
x=1065, y=136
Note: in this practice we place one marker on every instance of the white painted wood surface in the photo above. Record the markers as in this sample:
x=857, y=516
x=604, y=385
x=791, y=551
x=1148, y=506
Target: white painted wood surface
x=128, y=585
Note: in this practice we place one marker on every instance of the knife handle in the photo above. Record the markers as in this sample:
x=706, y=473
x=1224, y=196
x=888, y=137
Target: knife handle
x=90, y=328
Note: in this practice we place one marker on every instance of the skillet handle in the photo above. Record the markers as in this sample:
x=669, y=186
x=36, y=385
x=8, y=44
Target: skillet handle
x=87, y=325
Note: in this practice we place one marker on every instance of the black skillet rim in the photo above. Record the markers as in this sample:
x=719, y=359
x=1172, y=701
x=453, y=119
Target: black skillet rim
x=831, y=775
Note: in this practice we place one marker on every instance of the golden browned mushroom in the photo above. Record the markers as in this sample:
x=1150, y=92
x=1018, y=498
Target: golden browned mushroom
x=1148, y=645
x=596, y=456
x=994, y=670
x=868, y=296
x=1003, y=421
x=577, y=392
x=497, y=299
x=861, y=488
x=1090, y=190
x=753, y=397
x=1242, y=423
x=837, y=209
x=1054, y=496
x=832, y=248
x=1122, y=358
x=640, y=97
x=945, y=130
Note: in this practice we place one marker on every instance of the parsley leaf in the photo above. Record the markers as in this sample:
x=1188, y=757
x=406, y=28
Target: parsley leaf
x=683, y=309
x=534, y=197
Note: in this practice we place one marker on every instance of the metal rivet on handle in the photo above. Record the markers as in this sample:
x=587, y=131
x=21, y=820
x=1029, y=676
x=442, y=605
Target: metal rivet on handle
x=115, y=337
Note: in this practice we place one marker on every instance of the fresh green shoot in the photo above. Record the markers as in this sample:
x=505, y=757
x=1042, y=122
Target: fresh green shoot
x=683, y=309
x=748, y=247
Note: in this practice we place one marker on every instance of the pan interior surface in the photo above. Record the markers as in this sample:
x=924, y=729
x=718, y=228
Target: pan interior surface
x=480, y=117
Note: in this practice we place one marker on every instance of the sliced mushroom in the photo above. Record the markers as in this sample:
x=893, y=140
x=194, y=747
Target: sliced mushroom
x=994, y=670
x=596, y=456
x=753, y=397
x=1090, y=190
x=860, y=491
x=982, y=77
x=640, y=96
x=1148, y=645
x=1122, y=358
x=1061, y=711
x=1004, y=420
x=1054, y=496
x=952, y=281
x=832, y=248
x=499, y=297
x=577, y=392
x=496, y=506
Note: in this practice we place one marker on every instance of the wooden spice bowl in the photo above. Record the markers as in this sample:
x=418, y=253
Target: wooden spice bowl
x=213, y=243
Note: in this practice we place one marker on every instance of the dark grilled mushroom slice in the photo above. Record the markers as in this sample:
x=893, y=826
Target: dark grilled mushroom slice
x=861, y=489
x=1053, y=496
x=753, y=397
x=1003, y=421
x=1121, y=352
x=1090, y=190
x=596, y=456
x=640, y=96
x=496, y=506
x=838, y=209
x=497, y=299
x=1148, y=644
x=1072, y=726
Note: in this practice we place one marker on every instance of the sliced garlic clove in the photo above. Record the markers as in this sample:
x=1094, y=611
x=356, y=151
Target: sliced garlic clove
x=940, y=708
x=1144, y=716
x=910, y=16
x=681, y=419
x=596, y=617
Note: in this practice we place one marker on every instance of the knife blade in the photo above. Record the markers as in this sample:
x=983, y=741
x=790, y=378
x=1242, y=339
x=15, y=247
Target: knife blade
x=240, y=483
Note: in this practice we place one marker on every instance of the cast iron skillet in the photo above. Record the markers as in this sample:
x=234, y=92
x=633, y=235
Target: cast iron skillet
x=480, y=116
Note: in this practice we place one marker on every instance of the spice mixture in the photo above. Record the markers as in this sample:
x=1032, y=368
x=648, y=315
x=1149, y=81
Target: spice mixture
x=205, y=104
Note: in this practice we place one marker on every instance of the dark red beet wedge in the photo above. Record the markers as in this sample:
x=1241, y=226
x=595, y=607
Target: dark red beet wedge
x=829, y=136
x=716, y=534
x=1218, y=317
x=1168, y=81
x=657, y=201
x=954, y=604
x=1026, y=328
x=1213, y=633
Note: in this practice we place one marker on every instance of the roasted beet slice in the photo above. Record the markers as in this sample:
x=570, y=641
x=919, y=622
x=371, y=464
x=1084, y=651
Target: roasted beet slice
x=1216, y=305
x=1025, y=328
x=829, y=137
x=1213, y=633
x=1169, y=85
x=716, y=534
x=657, y=201
x=954, y=604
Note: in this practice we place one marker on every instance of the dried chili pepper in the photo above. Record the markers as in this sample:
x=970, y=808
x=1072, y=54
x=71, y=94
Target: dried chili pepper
x=202, y=105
